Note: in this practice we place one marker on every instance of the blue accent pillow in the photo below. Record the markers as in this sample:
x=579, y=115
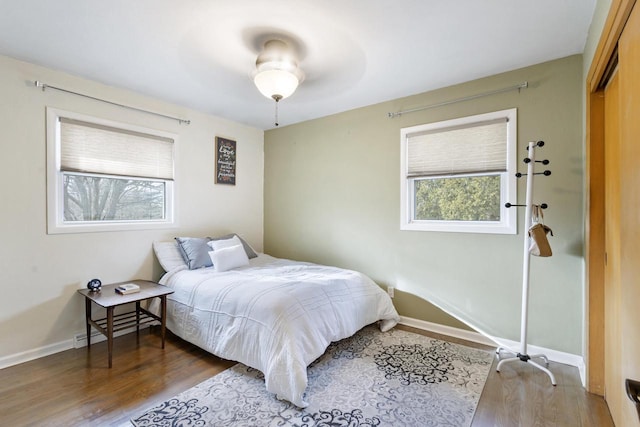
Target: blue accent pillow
x=195, y=251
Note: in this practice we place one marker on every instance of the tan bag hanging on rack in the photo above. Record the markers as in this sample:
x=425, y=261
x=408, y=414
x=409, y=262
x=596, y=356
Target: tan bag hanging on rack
x=538, y=234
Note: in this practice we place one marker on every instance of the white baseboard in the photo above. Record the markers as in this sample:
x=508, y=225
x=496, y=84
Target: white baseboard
x=36, y=353
x=583, y=373
x=554, y=355
x=79, y=340
x=447, y=330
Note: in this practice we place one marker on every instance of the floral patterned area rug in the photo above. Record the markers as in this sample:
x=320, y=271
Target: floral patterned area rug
x=374, y=378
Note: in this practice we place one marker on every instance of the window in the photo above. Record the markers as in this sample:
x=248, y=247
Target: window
x=458, y=174
x=105, y=176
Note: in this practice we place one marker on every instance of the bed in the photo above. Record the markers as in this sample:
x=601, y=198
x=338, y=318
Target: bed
x=274, y=315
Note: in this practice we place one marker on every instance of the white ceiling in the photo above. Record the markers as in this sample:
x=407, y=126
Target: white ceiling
x=200, y=53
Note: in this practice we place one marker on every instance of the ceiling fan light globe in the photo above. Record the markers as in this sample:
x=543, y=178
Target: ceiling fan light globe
x=272, y=83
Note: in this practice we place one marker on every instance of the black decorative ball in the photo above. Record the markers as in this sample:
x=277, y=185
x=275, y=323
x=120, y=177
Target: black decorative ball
x=94, y=285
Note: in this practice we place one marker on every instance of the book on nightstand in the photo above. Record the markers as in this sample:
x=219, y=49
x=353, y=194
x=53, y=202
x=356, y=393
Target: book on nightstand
x=127, y=288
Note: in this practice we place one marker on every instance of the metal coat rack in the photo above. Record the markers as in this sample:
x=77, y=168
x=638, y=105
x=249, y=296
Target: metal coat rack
x=523, y=355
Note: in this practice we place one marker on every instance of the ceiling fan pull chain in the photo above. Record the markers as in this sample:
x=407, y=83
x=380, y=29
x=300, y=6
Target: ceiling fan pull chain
x=276, y=121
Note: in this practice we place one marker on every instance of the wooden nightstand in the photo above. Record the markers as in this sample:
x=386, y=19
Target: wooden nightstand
x=110, y=299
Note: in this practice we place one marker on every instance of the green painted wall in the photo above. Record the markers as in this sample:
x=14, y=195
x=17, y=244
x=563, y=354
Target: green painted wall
x=332, y=194
x=600, y=13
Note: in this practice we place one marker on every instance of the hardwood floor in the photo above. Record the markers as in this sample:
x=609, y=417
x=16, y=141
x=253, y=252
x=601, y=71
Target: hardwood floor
x=521, y=395
x=75, y=387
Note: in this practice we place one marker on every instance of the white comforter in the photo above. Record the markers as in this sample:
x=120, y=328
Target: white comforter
x=274, y=315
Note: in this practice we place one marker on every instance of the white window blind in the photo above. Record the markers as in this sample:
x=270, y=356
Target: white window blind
x=93, y=148
x=471, y=148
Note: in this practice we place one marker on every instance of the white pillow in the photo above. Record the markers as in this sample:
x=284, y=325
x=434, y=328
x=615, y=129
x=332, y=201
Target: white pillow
x=224, y=243
x=168, y=255
x=224, y=259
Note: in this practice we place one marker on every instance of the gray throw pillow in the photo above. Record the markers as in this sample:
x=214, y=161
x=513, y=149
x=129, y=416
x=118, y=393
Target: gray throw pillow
x=247, y=248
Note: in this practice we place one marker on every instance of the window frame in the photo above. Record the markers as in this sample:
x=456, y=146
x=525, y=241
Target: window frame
x=55, y=180
x=508, y=181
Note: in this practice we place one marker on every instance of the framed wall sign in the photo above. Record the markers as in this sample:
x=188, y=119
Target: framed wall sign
x=225, y=161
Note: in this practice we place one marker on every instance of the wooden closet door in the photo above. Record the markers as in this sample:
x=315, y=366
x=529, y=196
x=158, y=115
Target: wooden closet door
x=629, y=71
x=612, y=282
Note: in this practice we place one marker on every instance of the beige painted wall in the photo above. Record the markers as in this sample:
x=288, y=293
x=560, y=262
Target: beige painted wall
x=39, y=273
x=332, y=192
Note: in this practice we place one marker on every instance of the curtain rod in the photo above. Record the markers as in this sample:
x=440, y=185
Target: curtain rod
x=44, y=86
x=523, y=85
